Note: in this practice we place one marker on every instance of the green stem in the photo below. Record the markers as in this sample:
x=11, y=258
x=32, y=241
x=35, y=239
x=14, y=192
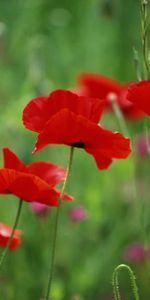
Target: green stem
x=124, y=129
x=137, y=64
x=50, y=278
x=146, y=123
x=115, y=282
x=4, y=253
x=144, y=36
x=118, y=113
x=144, y=25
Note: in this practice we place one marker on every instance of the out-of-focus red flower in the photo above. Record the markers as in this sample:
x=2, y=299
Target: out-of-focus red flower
x=139, y=95
x=5, y=234
x=99, y=86
x=136, y=253
x=66, y=118
x=34, y=182
x=77, y=214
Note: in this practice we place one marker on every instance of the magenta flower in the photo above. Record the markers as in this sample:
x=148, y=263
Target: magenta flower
x=39, y=209
x=142, y=145
x=77, y=214
x=136, y=253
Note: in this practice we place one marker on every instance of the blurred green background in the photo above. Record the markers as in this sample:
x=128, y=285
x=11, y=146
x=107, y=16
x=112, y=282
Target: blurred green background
x=45, y=45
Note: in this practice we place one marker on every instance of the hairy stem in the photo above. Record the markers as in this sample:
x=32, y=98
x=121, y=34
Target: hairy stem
x=115, y=282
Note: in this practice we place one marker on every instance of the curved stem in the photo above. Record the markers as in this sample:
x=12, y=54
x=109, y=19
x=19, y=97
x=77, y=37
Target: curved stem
x=115, y=282
x=56, y=223
x=4, y=253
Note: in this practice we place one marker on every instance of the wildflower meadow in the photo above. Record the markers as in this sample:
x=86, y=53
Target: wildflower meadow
x=74, y=150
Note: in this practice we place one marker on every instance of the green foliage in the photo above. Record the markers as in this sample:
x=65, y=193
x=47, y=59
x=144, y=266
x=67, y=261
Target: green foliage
x=45, y=45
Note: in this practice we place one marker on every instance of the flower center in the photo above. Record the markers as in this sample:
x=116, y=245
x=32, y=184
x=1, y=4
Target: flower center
x=78, y=145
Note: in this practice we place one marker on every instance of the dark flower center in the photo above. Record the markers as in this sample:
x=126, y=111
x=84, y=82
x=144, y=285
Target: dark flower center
x=78, y=145
x=8, y=191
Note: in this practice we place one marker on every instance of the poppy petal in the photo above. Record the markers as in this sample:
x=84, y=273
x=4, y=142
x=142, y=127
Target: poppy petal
x=139, y=95
x=95, y=85
x=67, y=197
x=5, y=233
x=4, y=181
x=39, y=110
x=108, y=145
x=11, y=161
x=49, y=172
x=114, y=145
x=102, y=161
x=103, y=144
x=62, y=128
x=27, y=187
x=36, y=113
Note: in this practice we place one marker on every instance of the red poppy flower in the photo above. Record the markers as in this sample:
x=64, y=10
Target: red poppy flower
x=34, y=182
x=66, y=118
x=5, y=234
x=93, y=85
x=139, y=95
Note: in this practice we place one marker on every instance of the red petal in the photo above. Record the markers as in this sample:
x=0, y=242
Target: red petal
x=67, y=128
x=139, y=95
x=39, y=110
x=11, y=161
x=102, y=161
x=104, y=156
x=114, y=145
x=27, y=187
x=95, y=85
x=67, y=197
x=37, y=113
x=108, y=145
x=5, y=233
x=61, y=129
x=128, y=108
x=49, y=172
x=90, y=108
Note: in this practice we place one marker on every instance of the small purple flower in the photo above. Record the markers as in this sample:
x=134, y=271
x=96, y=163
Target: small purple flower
x=77, y=214
x=136, y=253
x=142, y=145
x=39, y=209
